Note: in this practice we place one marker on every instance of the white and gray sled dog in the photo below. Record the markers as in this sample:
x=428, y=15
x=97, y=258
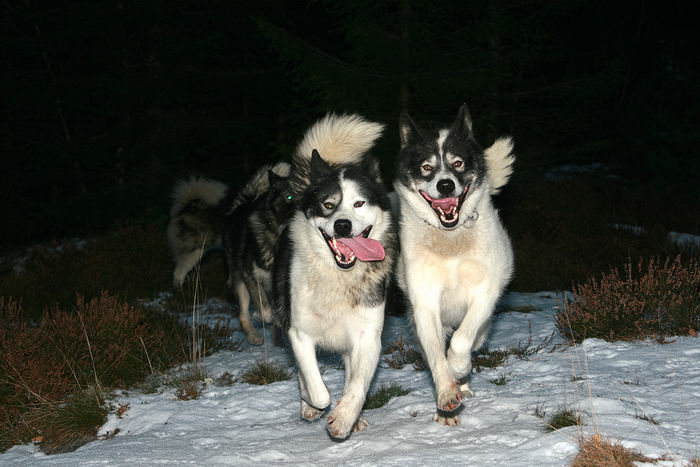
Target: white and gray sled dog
x=456, y=257
x=333, y=263
x=207, y=215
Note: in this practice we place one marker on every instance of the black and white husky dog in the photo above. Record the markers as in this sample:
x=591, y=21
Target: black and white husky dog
x=206, y=215
x=456, y=257
x=333, y=264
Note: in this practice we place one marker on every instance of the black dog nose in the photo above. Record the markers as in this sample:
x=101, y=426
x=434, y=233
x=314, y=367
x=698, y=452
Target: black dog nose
x=343, y=228
x=446, y=186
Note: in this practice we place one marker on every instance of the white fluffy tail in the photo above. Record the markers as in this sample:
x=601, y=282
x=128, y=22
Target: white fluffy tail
x=499, y=163
x=339, y=139
x=206, y=190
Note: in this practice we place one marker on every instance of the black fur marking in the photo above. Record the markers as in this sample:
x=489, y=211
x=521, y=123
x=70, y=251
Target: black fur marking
x=311, y=202
x=281, y=277
x=250, y=234
x=422, y=144
x=373, y=276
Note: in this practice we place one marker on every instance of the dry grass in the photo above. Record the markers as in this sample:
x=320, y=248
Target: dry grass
x=487, y=358
x=401, y=353
x=70, y=335
x=189, y=383
x=500, y=381
x=596, y=451
x=265, y=372
x=68, y=425
x=102, y=343
x=561, y=418
x=225, y=379
x=650, y=300
x=384, y=394
x=646, y=418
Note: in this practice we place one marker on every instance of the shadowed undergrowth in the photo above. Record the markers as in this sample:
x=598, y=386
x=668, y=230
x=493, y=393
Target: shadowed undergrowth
x=265, y=372
x=45, y=366
x=651, y=299
x=384, y=394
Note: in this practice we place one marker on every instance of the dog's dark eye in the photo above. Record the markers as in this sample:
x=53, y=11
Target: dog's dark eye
x=359, y=204
x=290, y=197
x=427, y=167
x=328, y=205
x=456, y=164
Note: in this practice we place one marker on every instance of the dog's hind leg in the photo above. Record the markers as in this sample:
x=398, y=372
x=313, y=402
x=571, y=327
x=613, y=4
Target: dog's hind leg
x=360, y=365
x=305, y=353
x=259, y=297
x=470, y=334
x=184, y=264
x=243, y=296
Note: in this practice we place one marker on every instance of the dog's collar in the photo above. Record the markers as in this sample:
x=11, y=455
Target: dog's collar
x=472, y=218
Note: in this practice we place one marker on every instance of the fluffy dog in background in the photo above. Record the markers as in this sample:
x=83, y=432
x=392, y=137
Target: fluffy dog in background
x=206, y=215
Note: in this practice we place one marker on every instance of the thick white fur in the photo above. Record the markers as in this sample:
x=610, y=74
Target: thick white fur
x=453, y=279
x=499, y=163
x=340, y=139
x=323, y=315
x=324, y=308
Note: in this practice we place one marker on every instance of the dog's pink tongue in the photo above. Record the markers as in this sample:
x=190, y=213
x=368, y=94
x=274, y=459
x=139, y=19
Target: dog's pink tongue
x=365, y=249
x=446, y=204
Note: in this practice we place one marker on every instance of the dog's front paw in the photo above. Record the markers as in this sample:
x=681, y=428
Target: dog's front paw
x=460, y=366
x=466, y=390
x=447, y=420
x=310, y=413
x=341, y=423
x=360, y=425
x=450, y=398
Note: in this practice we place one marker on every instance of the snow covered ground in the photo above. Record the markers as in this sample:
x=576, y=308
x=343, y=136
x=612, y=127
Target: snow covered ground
x=611, y=384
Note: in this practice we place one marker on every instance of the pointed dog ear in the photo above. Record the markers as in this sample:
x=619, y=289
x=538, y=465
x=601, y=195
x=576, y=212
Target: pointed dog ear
x=463, y=123
x=273, y=177
x=319, y=167
x=371, y=165
x=408, y=130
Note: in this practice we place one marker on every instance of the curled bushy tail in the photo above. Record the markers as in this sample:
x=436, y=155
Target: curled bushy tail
x=200, y=190
x=499, y=163
x=194, y=222
x=339, y=139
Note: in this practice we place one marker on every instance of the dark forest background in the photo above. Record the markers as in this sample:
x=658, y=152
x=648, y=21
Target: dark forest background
x=106, y=103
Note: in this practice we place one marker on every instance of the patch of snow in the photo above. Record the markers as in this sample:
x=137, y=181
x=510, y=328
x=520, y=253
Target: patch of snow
x=633, y=229
x=242, y=424
x=683, y=239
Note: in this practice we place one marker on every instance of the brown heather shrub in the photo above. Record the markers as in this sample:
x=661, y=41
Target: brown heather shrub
x=597, y=451
x=653, y=299
x=103, y=343
x=66, y=426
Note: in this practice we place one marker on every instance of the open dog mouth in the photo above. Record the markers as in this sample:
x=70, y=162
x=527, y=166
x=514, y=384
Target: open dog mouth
x=447, y=209
x=347, y=250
